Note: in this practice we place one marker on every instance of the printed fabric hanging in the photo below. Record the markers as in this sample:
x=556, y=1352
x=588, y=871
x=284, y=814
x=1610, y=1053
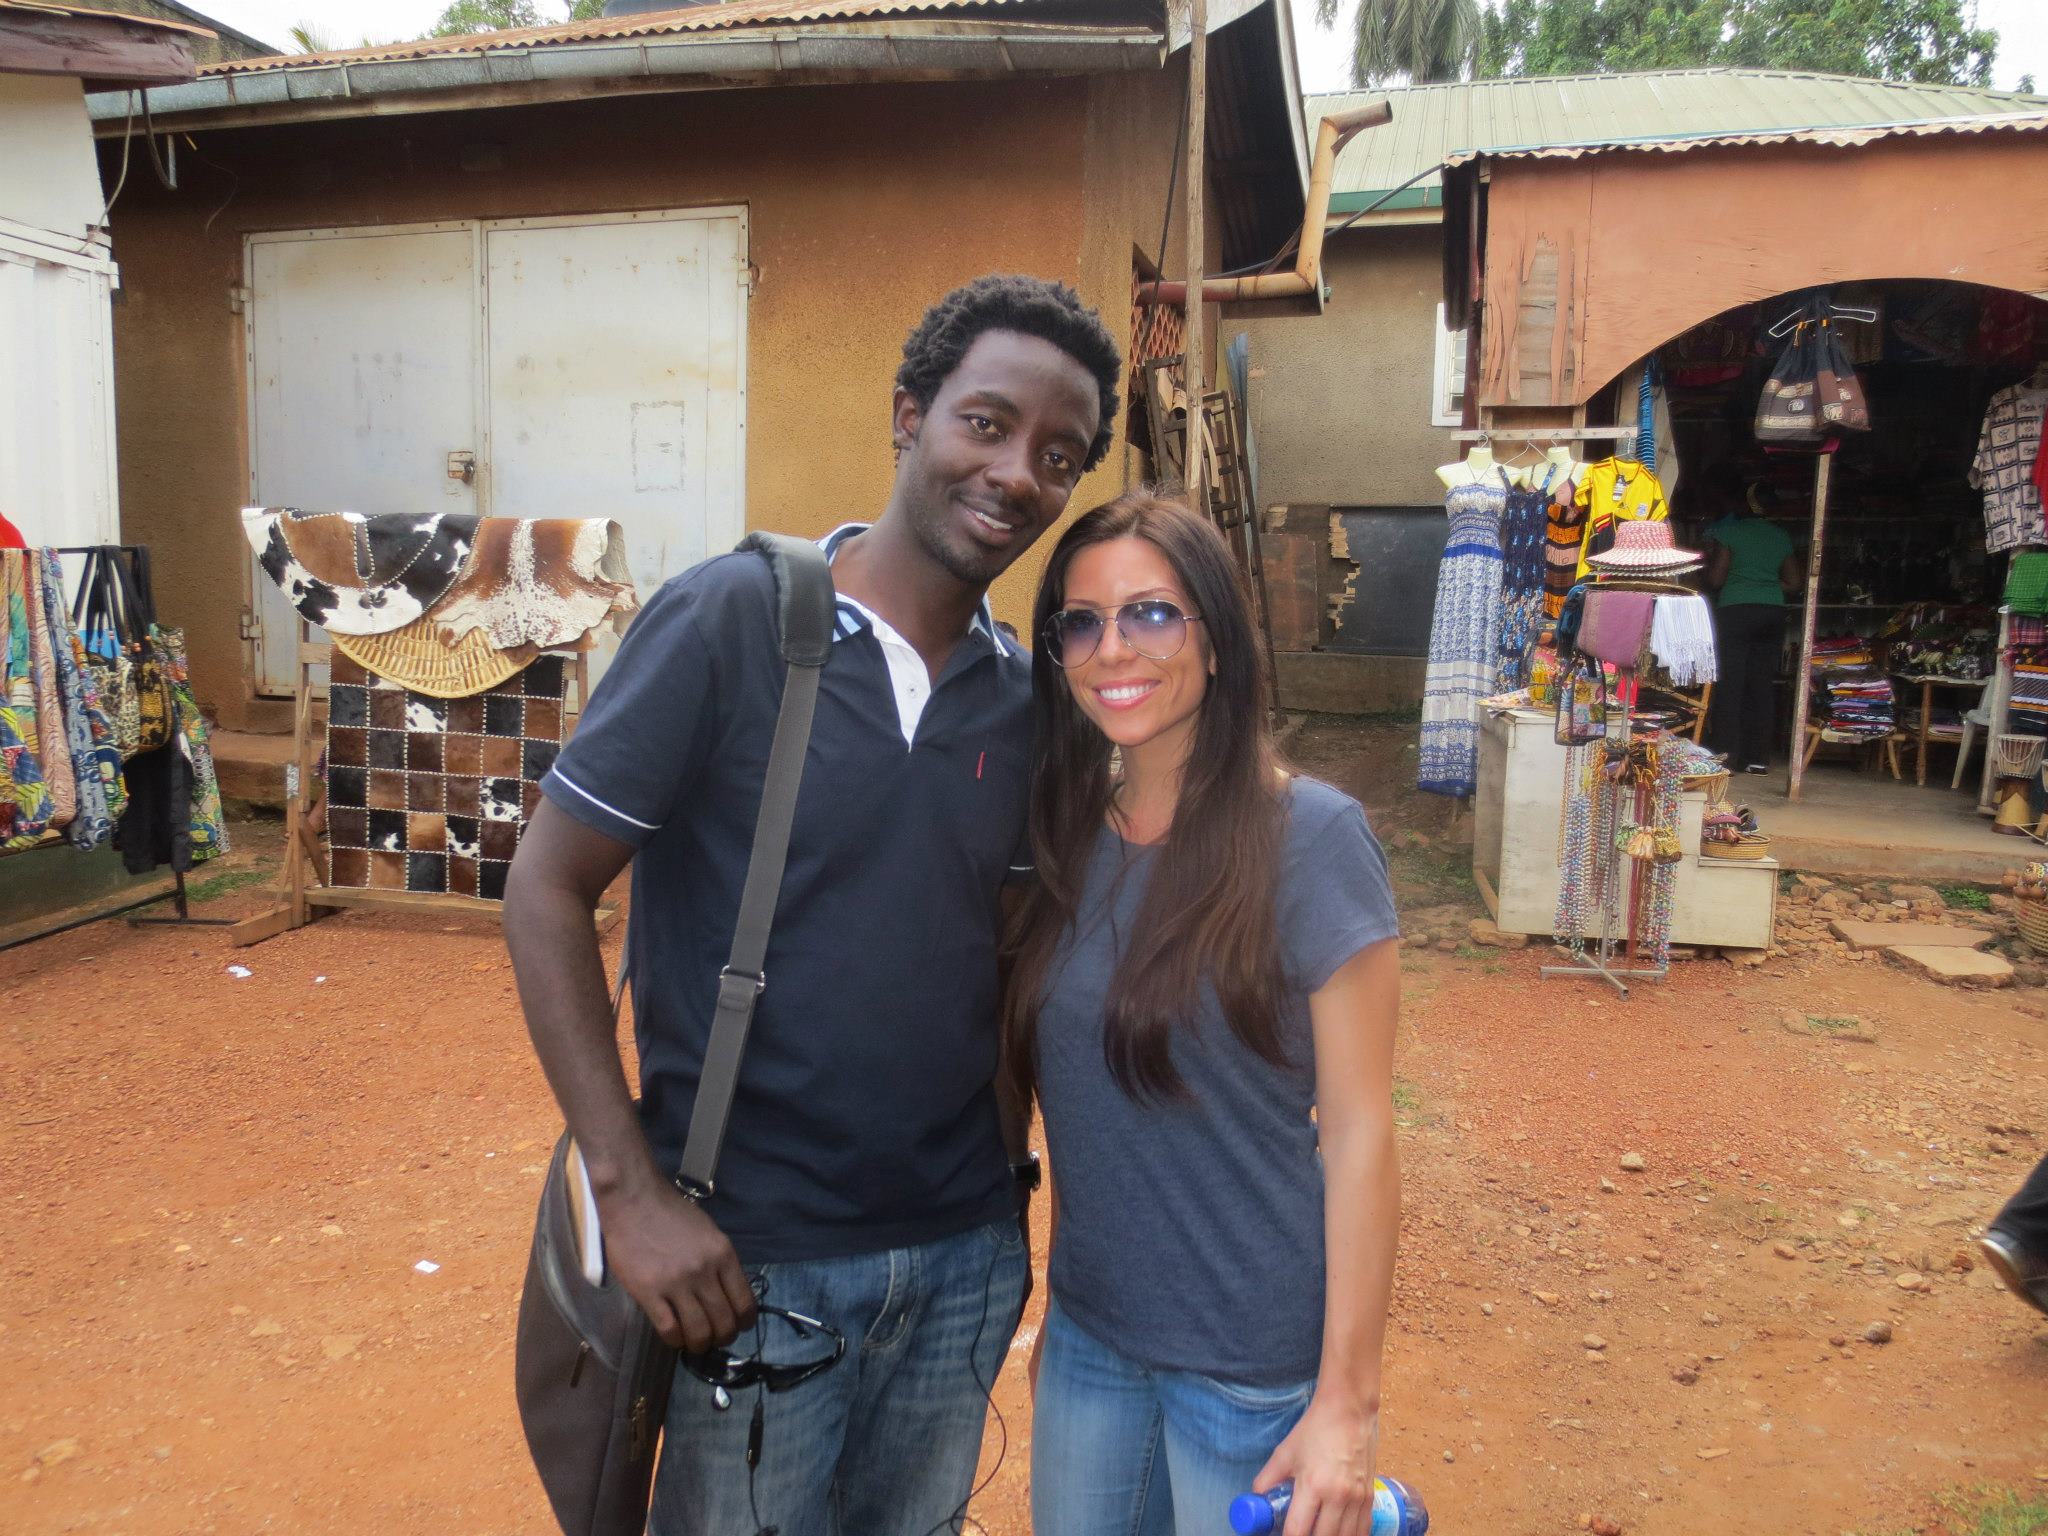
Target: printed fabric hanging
x=90, y=822
x=1523, y=543
x=26, y=806
x=1464, y=639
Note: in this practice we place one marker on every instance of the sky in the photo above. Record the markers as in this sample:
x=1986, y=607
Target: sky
x=2022, y=27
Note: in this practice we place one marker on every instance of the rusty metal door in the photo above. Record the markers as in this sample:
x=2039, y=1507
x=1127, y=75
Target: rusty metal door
x=615, y=382
x=363, y=381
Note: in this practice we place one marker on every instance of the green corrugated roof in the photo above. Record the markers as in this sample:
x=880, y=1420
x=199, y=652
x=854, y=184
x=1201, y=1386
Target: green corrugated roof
x=1432, y=121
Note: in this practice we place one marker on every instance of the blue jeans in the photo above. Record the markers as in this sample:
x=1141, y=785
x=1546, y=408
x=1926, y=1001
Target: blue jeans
x=883, y=1444
x=1118, y=1449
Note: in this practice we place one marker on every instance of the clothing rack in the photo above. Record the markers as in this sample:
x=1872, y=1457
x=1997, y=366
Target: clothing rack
x=177, y=894
x=1608, y=856
x=1540, y=434
x=1601, y=962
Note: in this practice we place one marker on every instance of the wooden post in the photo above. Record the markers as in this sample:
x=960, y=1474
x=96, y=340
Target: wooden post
x=1194, y=355
x=1803, y=685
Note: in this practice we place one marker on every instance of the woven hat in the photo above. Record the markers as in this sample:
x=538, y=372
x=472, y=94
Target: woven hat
x=1643, y=546
x=416, y=656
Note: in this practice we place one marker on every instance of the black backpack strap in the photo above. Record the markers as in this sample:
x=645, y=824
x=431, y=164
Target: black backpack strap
x=804, y=617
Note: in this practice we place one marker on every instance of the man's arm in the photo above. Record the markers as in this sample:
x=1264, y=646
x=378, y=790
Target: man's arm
x=668, y=1254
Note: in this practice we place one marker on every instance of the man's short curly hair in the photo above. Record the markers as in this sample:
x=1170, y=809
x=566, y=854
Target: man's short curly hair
x=1030, y=305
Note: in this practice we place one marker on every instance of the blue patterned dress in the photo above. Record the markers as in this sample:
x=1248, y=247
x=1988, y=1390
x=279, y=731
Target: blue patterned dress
x=1464, y=638
x=1522, y=549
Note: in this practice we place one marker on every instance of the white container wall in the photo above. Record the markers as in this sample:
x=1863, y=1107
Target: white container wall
x=57, y=477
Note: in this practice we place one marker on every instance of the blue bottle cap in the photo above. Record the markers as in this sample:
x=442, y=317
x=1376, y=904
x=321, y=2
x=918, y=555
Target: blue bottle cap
x=1251, y=1515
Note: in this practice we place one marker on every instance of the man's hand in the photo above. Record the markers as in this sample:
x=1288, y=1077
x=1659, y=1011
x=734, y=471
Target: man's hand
x=673, y=1260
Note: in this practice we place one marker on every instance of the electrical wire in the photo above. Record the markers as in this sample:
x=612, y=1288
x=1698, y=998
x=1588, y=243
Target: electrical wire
x=1180, y=138
x=99, y=225
x=168, y=177
x=960, y=1519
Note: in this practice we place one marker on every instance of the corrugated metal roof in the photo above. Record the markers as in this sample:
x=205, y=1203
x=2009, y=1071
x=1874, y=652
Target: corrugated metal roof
x=1997, y=122
x=1570, y=113
x=129, y=18
x=701, y=18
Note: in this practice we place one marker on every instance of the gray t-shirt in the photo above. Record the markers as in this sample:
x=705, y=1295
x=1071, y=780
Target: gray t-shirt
x=1191, y=1229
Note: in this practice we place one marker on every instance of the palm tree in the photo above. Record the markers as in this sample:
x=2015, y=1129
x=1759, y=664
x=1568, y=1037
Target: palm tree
x=1418, y=39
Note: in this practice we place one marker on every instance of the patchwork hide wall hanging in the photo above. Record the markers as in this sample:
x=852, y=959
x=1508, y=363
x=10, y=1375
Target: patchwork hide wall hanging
x=431, y=794
x=456, y=664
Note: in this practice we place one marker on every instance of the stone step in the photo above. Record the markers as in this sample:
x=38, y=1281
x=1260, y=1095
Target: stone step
x=1955, y=967
x=1862, y=935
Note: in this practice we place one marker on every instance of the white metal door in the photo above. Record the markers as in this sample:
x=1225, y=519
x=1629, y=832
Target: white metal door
x=57, y=395
x=595, y=365
x=363, y=379
x=615, y=384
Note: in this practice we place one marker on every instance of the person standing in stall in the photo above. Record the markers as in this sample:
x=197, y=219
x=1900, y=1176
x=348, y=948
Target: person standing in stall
x=1752, y=567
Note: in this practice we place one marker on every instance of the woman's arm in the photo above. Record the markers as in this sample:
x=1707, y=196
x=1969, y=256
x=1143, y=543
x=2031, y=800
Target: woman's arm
x=1331, y=1452
x=1792, y=575
x=1717, y=566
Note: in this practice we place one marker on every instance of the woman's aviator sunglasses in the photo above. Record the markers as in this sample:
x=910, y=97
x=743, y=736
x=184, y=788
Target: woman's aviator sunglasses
x=1153, y=627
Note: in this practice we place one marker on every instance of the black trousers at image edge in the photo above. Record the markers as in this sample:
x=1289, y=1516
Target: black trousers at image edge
x=2025, y=1217
x=1750, y=642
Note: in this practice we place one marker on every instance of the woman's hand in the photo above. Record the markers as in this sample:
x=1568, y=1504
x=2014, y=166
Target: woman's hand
x=1330, y=1456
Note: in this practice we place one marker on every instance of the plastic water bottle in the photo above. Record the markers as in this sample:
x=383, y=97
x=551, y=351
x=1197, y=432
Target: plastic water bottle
x=1397, y=1510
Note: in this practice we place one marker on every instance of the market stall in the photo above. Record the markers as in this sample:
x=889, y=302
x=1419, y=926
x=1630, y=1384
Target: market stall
x=1837, y=398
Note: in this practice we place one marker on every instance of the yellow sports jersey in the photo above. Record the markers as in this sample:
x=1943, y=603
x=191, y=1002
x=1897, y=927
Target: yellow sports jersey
x=1616, y=490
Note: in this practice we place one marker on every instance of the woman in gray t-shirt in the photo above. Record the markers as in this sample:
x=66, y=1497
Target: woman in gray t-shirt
x=1203, y=993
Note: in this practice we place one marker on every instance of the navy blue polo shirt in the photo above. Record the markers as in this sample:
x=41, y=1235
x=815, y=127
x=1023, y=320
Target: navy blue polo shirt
x=865, y=1116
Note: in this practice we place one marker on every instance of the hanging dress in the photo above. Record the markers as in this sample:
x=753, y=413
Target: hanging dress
x=1523, y=526
x=1464, y=638
x=1564, y=529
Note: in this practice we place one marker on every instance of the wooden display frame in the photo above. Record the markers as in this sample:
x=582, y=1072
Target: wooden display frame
x=302, y=895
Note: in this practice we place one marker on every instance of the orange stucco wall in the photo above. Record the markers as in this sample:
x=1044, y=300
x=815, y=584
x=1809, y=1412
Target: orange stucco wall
x=1592, y=262
x=865, y=204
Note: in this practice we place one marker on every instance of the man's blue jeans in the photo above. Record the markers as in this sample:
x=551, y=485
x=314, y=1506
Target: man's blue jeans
x=1121, y=1450
x=884, y=1443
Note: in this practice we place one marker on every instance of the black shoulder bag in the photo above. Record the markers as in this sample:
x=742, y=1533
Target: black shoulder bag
x=591, y=1373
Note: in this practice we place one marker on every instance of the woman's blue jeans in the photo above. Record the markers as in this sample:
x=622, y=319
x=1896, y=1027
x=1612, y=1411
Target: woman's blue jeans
x=1118, y=1449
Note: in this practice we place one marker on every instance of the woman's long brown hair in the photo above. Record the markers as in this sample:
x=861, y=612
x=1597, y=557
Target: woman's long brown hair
x=1207, y=911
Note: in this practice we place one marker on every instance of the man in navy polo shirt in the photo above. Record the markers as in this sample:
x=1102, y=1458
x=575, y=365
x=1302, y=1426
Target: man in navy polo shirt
x=865, y=1172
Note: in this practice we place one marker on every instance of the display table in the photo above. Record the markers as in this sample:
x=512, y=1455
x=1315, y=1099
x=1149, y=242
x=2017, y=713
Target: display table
x=1927, y=683
x=1723, y=903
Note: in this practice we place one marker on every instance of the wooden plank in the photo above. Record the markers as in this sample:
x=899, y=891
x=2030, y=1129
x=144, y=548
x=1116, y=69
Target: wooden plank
x=1487, y=893
x=107, y=53
x=265, y=925
x=1294, y=567
x=1194, y=352
x=1802, y=698
x=411, y=901
x=313, y=654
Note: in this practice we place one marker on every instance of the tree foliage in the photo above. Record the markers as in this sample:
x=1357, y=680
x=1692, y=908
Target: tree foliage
x=1930, y=41
x=1416, y=40
x=487, y=16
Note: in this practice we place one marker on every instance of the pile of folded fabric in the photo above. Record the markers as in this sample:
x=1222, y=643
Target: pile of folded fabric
x=1853, y=697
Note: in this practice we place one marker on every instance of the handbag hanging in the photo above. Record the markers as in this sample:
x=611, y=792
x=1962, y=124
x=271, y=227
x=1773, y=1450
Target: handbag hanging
x=591, y=1373
x=136, y=619
x=112, y=668
x=1788, y=409
x=1836, y=387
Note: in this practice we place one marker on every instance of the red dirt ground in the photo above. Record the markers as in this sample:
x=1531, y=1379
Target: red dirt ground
x=218, y=1188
